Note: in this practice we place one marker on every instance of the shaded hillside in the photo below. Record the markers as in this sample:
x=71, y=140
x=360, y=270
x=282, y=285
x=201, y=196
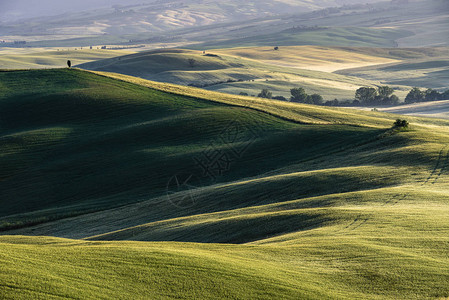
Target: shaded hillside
x=80, y=142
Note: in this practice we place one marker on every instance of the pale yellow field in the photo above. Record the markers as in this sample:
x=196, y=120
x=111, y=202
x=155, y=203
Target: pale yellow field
x=38, y=58
x=307, y=57
x=434, y=109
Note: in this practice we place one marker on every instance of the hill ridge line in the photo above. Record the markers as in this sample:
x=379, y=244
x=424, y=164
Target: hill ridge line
x=254, y=103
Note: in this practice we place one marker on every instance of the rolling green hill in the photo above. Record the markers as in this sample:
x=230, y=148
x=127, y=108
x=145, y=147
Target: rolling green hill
x=75, y=131
x=300, y=201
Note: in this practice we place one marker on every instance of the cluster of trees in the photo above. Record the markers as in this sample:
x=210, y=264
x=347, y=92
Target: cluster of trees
x=298, y=95
x=417, y=95
x=265, y=93
x=400, y=123
x=383, y=95
x=335, y=102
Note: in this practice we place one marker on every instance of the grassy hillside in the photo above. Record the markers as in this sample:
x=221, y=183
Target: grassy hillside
x=334, y=267
x=311, y=202
x=334, y=72
x=41, y=58
x=104, y=138
x=232, y=71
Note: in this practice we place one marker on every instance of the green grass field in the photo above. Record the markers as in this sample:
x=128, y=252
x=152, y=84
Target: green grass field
x=316, y=203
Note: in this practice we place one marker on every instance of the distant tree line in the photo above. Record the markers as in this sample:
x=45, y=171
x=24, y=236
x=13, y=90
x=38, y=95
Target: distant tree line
x=383, y=96
x=298, y=95
x=417, y=95
x=365, y=96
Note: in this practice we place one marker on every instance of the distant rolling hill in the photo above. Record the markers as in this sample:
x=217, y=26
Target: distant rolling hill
x=249, y=70
x=382, y=24
x=178, y=192
x=210, y=24
x=318, y=58
x=147, y=15
x=44, y=58
x=430, y=72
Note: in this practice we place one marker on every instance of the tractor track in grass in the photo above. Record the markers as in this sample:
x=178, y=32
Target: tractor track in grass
x=396, y=198
x=359, y=221
x=441, y=166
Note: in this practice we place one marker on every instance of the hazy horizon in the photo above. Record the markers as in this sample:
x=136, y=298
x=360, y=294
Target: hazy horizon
x=17, y=10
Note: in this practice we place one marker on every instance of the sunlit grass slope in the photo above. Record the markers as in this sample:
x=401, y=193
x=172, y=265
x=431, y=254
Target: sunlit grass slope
x=321, y=203
x=344, y=265
x=432, y=72
x=435, y=109
x=53, y=58
x=318, y=58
